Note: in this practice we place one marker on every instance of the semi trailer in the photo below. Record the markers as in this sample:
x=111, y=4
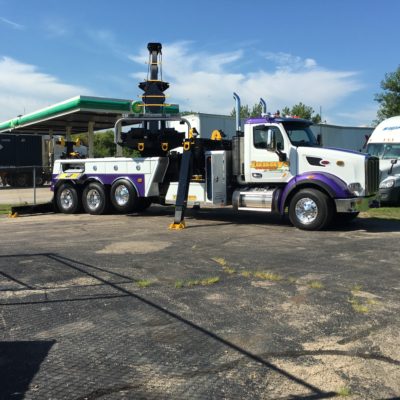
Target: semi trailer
x=270, y=165
x=384, y=143
x=25, y=158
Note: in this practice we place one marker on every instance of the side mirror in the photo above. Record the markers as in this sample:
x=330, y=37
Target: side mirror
x=393, y=162
x=271, y=140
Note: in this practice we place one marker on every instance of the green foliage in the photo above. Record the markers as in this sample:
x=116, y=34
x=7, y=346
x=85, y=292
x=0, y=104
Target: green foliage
x=246, y=112
x=302, y=111
x=104, y=145
x=389, y=99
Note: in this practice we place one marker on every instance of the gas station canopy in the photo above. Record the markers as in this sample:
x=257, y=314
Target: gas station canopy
x=76, y=115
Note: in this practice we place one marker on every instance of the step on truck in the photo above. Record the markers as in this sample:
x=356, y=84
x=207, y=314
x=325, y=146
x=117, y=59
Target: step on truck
x=271, y=165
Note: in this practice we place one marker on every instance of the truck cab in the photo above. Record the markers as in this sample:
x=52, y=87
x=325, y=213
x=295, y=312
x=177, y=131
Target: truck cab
x=384, y=143
x=280, y=166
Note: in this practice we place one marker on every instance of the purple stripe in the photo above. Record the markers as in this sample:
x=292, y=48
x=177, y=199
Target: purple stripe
x=337, y=188
x=109, y=179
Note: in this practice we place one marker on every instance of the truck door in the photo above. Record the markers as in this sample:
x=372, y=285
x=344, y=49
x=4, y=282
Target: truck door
x=268, y=165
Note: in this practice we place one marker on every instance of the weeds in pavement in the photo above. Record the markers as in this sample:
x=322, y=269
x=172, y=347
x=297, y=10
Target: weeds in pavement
x=315, y=285
x=143, y=283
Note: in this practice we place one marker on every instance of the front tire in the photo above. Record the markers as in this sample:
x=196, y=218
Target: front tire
x=67, y=199
x=94, y=199
x=310, y=210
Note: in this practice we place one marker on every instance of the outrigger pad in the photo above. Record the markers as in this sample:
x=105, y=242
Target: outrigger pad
x=177, y=227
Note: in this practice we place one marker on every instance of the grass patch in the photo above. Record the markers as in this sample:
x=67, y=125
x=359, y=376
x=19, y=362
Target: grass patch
x=344, y=392
x=358, y=306
x=315, y=285
x=220, y=261
x=197, y=282
x=143, y=283
x=225, y=267
x=246, y=274
x=356, y=288
x=383, y=212
x=5, y=209
x=179, y=284
x=267, y=276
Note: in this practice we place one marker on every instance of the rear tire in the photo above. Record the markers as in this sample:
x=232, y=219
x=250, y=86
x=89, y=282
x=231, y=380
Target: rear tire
x=22, y=179
x=67, y=198
x=95, y=199
x=123, y=196
x=310, y=210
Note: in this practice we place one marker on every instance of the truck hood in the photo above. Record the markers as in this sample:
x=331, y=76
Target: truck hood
x=349, y=166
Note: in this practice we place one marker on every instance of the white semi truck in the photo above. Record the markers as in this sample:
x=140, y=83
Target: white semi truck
x=273, y=165
x=384, y=143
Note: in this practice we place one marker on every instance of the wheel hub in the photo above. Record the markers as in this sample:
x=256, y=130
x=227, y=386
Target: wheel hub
x=121, y=195
x=306, y=210
x=93, y=199
x=66, y=198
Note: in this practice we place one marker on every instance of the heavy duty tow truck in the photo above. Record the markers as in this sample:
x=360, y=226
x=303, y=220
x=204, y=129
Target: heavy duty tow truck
x=273, y=165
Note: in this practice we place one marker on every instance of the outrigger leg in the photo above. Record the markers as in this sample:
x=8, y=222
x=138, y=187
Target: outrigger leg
x=183, y=187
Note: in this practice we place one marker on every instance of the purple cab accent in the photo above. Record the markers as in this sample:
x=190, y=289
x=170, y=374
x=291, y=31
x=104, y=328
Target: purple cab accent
x=336, y=188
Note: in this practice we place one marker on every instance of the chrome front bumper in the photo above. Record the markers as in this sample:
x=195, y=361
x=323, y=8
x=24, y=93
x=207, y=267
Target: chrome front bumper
x=356, y=204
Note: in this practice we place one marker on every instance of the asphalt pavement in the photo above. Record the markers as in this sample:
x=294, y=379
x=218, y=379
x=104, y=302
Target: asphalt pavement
x=232, y=307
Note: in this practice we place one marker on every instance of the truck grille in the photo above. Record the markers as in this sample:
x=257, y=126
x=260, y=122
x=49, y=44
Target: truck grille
x=371, y=175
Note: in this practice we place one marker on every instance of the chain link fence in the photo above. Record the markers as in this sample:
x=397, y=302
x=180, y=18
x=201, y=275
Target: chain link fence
x=27, y=184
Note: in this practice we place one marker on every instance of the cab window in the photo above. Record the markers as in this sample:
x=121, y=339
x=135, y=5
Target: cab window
x=260, y=135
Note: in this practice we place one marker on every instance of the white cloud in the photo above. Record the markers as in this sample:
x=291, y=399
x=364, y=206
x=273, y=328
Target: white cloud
x=12, y=23
x=205, y=82
x=366, y=114
x=24, y=89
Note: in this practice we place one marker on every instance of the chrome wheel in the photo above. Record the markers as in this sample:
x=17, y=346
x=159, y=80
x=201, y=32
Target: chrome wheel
x=306, y=210
x=67, y=199
x=93, y=198
x=121, y=195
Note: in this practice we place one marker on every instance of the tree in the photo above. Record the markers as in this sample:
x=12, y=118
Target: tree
x=302, y=111
x=245, y=111
x=104, y=145
x=389, y=99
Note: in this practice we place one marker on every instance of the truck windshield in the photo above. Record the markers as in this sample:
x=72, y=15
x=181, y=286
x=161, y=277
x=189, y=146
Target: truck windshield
x=300, y=135
x=385, y=151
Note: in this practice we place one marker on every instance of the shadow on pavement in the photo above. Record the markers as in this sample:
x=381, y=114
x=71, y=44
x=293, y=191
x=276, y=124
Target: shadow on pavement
x=19, y=362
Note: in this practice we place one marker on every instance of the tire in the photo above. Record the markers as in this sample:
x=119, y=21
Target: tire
x=123, y=196
x=22, y=179
x=310, y=210
x=67, y=199
x=95, y=199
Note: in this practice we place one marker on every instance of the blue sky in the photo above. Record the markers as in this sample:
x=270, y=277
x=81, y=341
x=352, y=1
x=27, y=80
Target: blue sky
x=328, y=54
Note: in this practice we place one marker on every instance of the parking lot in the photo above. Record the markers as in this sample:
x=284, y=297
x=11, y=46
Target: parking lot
x=233, y=307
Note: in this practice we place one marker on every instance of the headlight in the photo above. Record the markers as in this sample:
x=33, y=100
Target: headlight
x=386, y=184
x=355, y=188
